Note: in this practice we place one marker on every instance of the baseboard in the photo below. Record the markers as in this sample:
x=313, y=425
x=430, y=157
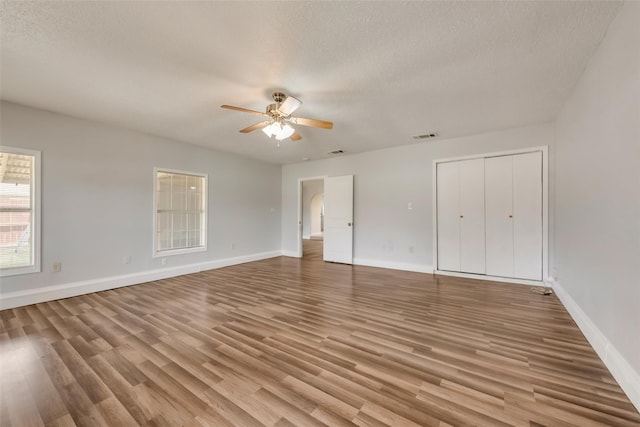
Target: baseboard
x=49, y=293
x=292, y=254
x=405, y=266
x=621, y=370
x=491, y=278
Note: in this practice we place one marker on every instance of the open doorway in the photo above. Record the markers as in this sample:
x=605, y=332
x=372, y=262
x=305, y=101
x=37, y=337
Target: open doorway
x=316, y=217
x=312, y=218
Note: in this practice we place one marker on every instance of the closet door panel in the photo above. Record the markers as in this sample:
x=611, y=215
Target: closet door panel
x=499, y=212
x=527, y=215
x=472, y=244
x=448, y=206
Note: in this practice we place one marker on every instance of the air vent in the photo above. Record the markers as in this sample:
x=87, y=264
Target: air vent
x=426, y=136
x=336, y=152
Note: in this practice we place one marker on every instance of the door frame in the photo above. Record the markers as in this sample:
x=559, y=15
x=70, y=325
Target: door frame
x=299, y=223
x=545, y=213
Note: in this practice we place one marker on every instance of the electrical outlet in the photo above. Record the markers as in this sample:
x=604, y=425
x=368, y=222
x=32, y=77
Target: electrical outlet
x=126, y=259
x=56, y=267
x=410, y=205
x=163, y=261
x=233, y=246
x=410, y=249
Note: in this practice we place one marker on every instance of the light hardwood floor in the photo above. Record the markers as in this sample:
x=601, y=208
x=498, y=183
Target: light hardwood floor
x=288, y=342
x=312, y=249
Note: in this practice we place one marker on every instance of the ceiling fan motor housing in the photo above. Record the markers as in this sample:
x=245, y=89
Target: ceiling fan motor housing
x=272, y=109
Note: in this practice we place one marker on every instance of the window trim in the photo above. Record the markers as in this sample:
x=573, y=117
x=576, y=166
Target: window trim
x=35, y=267
x=171, y=252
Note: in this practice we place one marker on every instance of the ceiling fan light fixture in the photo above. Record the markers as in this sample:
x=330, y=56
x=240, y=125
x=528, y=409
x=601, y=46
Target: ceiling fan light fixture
x=286, y=131
x=278, y=130
x=273, y=129
x=267, y=130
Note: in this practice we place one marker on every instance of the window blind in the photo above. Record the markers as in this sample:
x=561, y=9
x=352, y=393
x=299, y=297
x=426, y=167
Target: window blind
x=180, y=211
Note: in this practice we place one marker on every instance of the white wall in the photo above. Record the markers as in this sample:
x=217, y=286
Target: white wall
x=309, y=189
x=597, y=200
x=97, y=201
x=316, y=214
x=385, y=181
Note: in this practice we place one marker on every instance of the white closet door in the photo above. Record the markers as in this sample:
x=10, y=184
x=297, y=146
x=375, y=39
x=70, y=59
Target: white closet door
x=472, y=241
x=527, y=215
x=448, y=206
x=499, y=215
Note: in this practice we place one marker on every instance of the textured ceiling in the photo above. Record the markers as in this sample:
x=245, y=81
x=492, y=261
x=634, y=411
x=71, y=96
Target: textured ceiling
x=381, y=71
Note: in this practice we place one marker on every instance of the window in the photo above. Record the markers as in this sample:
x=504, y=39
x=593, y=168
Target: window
x=180, y=212
x=19, y=211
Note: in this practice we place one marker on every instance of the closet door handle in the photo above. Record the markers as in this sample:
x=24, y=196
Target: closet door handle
x=510, y=216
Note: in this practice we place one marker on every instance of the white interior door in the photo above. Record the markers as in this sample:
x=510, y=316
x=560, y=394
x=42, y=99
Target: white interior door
x=338, y=219
x=448, y=215
x=527, y=216
x=499, y=215
x=472, y=239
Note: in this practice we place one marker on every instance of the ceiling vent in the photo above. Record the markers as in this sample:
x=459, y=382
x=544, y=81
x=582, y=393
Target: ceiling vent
x=336, y=152
x=426, y=136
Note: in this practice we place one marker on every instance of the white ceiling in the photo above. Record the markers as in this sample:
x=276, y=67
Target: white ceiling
x=381, y=71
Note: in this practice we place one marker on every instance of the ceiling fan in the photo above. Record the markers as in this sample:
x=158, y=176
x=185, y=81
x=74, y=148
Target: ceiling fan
x=279, y=120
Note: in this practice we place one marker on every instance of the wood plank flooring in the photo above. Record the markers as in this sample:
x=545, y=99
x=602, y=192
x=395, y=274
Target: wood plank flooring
x=289, y=342
x=312, y=249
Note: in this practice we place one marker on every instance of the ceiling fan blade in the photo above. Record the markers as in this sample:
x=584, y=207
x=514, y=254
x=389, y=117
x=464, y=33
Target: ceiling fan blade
x=289, y=105
x=312, y=122
x=243, y=110
x=296, y=136
x=255, y=127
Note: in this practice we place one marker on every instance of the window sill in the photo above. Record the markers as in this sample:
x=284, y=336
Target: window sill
x=17, y=271
x=172, y=252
